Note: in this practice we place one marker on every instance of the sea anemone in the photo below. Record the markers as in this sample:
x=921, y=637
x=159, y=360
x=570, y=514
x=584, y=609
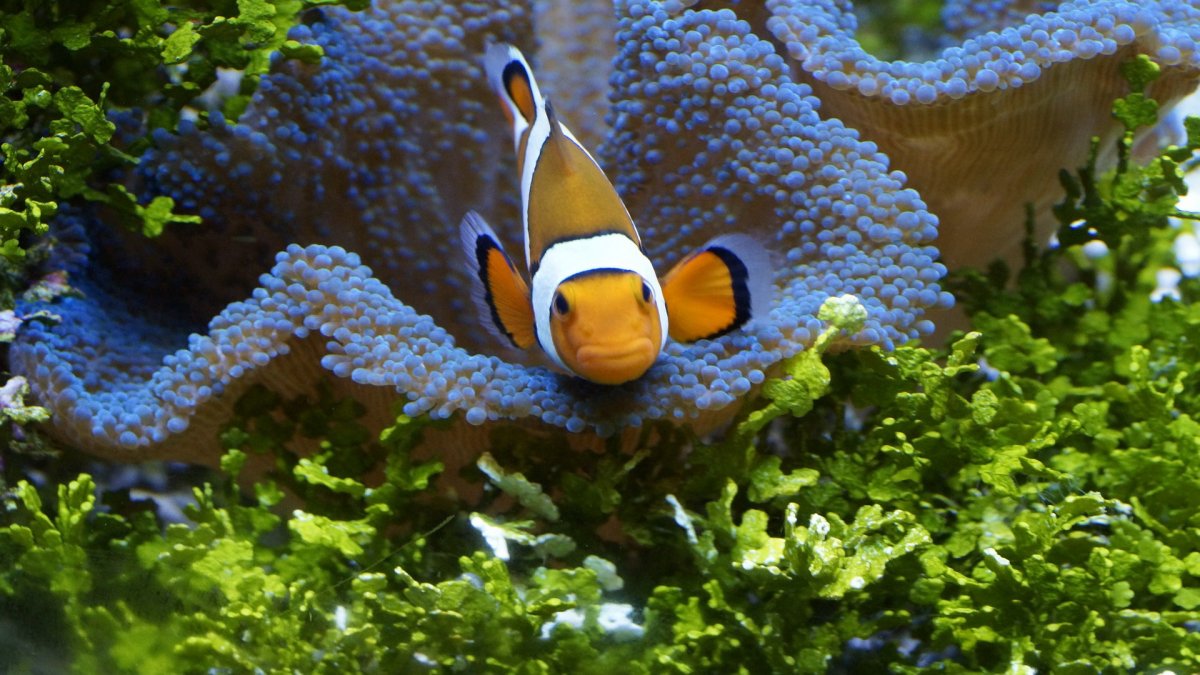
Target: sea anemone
x=353, y=173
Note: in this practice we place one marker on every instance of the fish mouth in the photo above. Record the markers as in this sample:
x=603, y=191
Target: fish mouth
x=616, y=363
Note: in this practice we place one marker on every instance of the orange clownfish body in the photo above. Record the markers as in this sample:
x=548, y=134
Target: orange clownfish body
x=594, y=303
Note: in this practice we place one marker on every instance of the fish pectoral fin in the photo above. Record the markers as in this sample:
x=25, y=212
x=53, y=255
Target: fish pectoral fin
x=498, y=290
x=718, y=288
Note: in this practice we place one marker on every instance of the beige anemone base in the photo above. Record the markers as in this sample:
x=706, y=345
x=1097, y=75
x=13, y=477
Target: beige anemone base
x=979, y=160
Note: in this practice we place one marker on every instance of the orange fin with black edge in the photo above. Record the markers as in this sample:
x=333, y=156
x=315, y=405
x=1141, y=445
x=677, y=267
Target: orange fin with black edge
x=498, y=290
x=509, y=75
x=717, y=289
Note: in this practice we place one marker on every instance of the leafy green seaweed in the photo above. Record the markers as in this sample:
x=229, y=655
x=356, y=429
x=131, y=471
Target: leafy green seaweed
x=67, y=64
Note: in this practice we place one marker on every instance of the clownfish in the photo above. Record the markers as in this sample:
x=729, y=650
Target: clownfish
x=594, y=303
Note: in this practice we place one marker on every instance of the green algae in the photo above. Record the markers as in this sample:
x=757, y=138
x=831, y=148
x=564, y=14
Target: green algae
x=66, y=65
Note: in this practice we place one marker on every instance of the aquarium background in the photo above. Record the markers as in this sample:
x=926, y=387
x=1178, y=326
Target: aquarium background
x=841, y=489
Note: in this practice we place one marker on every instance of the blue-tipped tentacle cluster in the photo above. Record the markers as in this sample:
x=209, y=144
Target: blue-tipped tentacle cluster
x=1021, y=90
x=713, y=136
x=968, y=18
x=379, y=149
x=382, y=147
x=816, y=34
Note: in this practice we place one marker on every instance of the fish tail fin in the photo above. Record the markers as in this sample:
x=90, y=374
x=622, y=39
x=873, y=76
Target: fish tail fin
x=719, y=288
x=512, y=79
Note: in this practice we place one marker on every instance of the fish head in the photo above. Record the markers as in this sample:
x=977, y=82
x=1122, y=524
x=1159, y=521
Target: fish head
x=606, y=326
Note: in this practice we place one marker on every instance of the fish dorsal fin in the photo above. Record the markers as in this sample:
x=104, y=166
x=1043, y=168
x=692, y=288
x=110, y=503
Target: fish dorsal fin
x=558, y=142
x=718, y=288
x=500, y=294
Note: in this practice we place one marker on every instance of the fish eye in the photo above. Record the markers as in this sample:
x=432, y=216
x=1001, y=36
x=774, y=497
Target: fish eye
x=560, y=304
x=645, y=292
